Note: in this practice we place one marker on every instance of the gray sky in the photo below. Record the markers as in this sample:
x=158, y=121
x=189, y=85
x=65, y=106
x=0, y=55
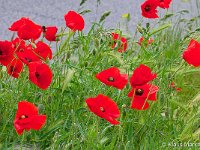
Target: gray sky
x=51, y=12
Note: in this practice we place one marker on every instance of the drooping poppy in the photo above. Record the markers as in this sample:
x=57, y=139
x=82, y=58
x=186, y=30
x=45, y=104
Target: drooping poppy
x=6, y=52
x=140, y=94
x=141, y=41
x=40, y=74
x=164, y=3
x=192, y=54
x=104, y=107
x=19, y=45
x=28, y=56
x=149, y=9
x=74, y=21
x=141, y=76
x=50, y=33
x=121, y=41
x=112, y=77
x=15, y=68
x=43, y=50
x=27, y=118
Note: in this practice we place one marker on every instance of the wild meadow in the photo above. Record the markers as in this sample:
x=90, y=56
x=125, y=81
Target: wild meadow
x=102, y=89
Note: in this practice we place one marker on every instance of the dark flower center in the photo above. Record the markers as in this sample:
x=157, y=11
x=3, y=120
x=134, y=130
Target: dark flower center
x=147, y=8
x=139, y=92
x=1, y=52
x=12, y=69
x=37, y=74
x=23, y=117
x=102, y=109
x=111, y=79
x=27, y=59
x=44, y=29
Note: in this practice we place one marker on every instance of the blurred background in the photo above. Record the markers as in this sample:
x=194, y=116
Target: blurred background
x=51, y=12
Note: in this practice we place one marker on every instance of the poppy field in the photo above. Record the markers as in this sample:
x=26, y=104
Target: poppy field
x=63, y=88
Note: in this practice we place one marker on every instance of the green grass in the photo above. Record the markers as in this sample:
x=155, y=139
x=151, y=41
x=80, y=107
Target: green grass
x=173, y=118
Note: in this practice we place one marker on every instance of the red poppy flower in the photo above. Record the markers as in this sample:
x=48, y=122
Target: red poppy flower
x=105, y=108
x=164, y=3
x=141, y=40
x=149, y=9
x=27, y=118
x=43, y=50
x=192, y=54
x=15, y=68
x=74, y=21
x=112, y=77
x=50, y=33
x=122, y=40
x=26, y=29
x=140, y=94
x=40, y=74
x=19, y=45
x=6, y=52
x=27, y=56
x=29, y=31
x=141, y=76
x=17, y=24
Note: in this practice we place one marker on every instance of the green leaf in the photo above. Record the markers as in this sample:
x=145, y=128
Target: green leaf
x=184, y=11
x=104, y=16
x=167, y=16
x=82, y=2
x=154, y=31
x=85, y=12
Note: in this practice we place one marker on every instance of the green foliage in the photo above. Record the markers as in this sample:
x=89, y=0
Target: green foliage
x=104, y=16
x=174, y=117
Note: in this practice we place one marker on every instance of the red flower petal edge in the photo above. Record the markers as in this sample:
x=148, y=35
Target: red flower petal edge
x=40, y=74
x=15, y=68
x=192, y=54
x=104, y=107
x=74, y=21
x=142, y=75
x=149, y=9
x=27, y=118
x=112, y=77
x=140, y=94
